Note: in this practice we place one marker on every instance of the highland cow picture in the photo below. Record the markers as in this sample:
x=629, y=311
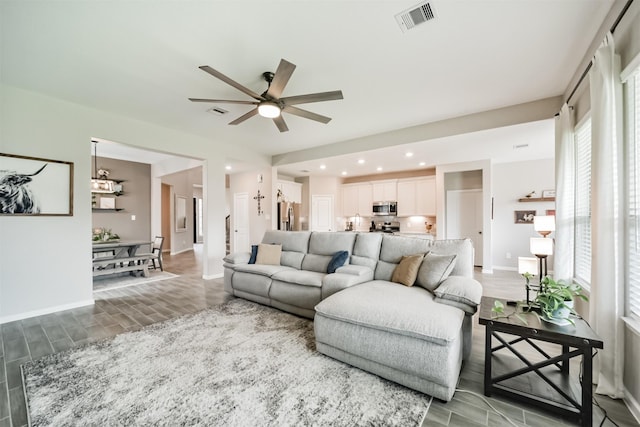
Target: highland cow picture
x=35, y=186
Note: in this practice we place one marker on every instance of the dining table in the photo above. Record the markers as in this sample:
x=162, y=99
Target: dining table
x=119, y=248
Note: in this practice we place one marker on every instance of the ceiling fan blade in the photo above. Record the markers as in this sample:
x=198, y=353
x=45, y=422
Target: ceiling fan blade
x=312, y=97
x=221, y=101
x=280, y=78
x=279, y=121
x=227, y=80
x=245, y=117
x=306, y=114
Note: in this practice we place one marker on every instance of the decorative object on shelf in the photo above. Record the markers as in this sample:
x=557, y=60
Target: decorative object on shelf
x=107, y=203
x=104, y=235
x=530, y=195
x=555, y=300
x=524, y=217
x=94, y=201
x=35, y=186
x=527, y=266
x=100, y=182
x=551, y=212
x=548, y=193
x=258, y=198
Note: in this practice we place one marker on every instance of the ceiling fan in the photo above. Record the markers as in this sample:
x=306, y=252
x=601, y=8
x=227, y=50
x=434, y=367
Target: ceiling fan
x=269, y=104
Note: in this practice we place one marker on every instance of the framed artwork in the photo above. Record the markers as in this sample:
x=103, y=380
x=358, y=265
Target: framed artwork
x=107, y=203
x=550, y=212
x=524, y=217
x=35, y=186
x=181, y=213
x=548, y=193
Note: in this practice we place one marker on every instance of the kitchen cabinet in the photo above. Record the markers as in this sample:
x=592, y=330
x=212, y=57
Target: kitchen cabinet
x=417, y=197
x=356, y=200
x=384, y=191
x=292, y=191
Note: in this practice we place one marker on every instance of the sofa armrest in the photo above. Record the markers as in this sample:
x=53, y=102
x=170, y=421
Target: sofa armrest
x=355, y=270
x=237, y=258
x=462, y=292
x=335, y=282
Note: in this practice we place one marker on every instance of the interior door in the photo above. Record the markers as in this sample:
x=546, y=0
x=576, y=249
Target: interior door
x=321, y=213
x=241, y=223
x=464, y=218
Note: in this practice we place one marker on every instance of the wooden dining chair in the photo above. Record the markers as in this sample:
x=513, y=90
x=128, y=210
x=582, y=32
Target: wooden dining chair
x=156, y=250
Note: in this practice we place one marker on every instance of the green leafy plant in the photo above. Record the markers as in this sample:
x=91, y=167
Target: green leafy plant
x=103, y=235
x=497, y=312
x=554, y=295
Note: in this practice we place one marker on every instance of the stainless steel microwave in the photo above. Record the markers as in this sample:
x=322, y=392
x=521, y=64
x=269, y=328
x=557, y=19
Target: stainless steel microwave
x=385, y=208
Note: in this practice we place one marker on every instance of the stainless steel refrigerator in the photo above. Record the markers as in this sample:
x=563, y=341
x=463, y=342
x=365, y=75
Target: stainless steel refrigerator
x=289, y=216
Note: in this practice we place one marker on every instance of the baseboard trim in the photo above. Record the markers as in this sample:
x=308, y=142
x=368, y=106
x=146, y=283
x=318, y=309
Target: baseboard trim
x=213, y=276
x=179, y=252
x=504, y=268
x=48, y=310
x=632, y=404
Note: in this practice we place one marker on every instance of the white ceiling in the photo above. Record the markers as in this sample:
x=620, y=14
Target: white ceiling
x=140, y=59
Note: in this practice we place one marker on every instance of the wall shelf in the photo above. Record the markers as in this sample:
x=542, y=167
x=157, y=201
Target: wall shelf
x=106, y=210
x=537, y=199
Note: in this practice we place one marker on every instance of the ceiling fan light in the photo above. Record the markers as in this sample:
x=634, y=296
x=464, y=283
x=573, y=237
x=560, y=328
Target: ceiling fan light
x=269, y=109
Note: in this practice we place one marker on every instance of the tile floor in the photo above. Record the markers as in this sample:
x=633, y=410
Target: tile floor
x=132, y=308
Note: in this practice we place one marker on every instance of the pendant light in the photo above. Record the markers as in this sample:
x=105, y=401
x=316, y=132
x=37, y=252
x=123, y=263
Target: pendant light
x=100, y=184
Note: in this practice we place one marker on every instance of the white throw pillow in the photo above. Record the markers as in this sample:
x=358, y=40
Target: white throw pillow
x=268, y=254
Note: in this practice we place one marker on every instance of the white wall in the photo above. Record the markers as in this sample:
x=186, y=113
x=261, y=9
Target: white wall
x=513, y=181
x=182, y=185
x=248, y=183
x=45, y=262
x=327, y=186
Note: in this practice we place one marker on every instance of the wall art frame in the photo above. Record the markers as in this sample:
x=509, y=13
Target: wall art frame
x=35, y=186
x=524, y=217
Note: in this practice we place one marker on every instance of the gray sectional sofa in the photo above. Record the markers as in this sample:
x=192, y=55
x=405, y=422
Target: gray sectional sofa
x=416, y=335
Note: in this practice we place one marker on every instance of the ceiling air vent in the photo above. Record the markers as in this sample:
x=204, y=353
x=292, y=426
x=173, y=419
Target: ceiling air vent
x=417, y=15
x=217, y=111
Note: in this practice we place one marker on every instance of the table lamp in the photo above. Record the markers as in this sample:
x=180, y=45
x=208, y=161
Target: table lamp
x=527, y=267
x=544, y=224
x=541, y=247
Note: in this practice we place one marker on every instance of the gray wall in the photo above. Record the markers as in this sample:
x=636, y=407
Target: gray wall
x=136, y=200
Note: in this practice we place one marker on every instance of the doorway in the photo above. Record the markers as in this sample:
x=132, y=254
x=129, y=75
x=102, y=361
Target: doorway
x=165, y=217
x=321, y=213
x=241, y=222
x=464, y=219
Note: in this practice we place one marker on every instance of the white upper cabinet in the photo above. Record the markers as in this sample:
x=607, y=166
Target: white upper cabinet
x=356, y=200
x=292, y=191
x=417, y=197
x=384, y=191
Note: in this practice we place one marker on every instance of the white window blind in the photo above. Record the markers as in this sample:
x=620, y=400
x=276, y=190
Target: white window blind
x=633, y=185
x=582, y=207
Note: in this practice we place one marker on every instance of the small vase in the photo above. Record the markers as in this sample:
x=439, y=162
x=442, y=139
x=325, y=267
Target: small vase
x=562, y=313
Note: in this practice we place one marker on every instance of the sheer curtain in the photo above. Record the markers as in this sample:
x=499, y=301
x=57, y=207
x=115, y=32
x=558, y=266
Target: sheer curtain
x=606, y=304
x=565, y=171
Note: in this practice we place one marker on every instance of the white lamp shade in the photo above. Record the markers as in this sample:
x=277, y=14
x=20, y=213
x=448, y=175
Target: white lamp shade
x=541, y=246
x=544, y=223
x=527, y=265
x=268, y=109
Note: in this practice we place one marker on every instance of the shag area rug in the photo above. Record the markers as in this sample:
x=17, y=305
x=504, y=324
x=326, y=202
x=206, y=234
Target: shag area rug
x=124, y=280
x=239, y=364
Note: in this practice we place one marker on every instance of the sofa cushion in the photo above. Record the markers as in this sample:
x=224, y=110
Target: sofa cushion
x=383, y=305
x=366, y=249
x=300, y=277
x=407, y=271
x=337, y=260
x=434, y=269
x=294, y=245
x=461, y=247
x=395, y=247
x=460, y=289
x=268, y=254
x=328, y=243
x=263, y=270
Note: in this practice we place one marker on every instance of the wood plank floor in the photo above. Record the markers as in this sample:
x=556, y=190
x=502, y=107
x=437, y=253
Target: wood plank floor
x=132, y=308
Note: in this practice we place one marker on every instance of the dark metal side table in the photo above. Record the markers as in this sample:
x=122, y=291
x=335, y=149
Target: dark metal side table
x=520, y=368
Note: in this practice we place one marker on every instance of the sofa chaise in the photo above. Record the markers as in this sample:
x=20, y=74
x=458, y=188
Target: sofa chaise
x=416, y=334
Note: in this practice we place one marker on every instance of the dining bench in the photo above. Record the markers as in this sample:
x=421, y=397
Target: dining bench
x=111, y=265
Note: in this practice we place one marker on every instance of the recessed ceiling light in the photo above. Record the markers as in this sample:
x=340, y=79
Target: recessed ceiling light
x=228, y=167
x=379, y=168
x=408, y=154
x=422, y=163
x=344, y=172
x=323, y=167
x=361, y=162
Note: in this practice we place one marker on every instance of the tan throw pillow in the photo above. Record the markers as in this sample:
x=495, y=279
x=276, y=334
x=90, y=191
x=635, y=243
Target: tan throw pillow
x=434, y=269
x=268, y=254
x=407, y=271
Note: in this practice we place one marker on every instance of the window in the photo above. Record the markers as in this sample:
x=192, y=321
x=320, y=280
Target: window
x=633, y=194
x=582, y=207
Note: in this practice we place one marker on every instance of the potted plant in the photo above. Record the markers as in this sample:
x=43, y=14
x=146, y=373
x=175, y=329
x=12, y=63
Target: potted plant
x=555, y=300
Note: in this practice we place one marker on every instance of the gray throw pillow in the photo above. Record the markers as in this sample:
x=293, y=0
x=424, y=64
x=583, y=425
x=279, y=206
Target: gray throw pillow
x=434, y=269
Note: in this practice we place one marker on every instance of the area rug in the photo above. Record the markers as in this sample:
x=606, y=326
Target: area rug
x=123, y=280
x=239, y=364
